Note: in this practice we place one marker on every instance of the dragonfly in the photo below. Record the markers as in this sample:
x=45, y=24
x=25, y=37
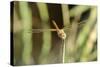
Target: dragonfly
x=61, y=32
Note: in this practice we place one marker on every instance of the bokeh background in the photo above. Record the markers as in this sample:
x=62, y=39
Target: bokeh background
x=28, y=47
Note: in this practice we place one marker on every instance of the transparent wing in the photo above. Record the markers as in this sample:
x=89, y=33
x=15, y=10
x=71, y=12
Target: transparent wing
x=67, y=28
x=41, y=30
x=45, y=30
x=80, y=24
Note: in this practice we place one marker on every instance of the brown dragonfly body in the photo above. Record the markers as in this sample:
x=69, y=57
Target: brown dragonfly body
x=60, y=32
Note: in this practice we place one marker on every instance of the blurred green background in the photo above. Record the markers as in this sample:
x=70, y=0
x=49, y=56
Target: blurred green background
x=78, y=21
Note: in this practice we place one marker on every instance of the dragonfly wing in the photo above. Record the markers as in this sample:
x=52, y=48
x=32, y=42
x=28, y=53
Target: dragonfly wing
x=41, y=30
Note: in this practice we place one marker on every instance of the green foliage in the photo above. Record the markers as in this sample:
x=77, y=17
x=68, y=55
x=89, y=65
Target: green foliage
x=79, y=45
x=46, y=35
x=26, y=19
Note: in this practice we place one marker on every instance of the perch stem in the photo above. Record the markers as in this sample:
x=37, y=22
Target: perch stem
x=63, y=55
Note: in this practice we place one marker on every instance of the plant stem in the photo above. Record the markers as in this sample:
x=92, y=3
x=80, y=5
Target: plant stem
x=26, y=18
x=86, y=29
x=46, y=35
x=78, y=10
x=63, y=55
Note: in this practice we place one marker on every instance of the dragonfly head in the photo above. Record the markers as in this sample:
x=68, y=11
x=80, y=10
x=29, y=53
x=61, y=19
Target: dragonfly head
x=61, y=34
